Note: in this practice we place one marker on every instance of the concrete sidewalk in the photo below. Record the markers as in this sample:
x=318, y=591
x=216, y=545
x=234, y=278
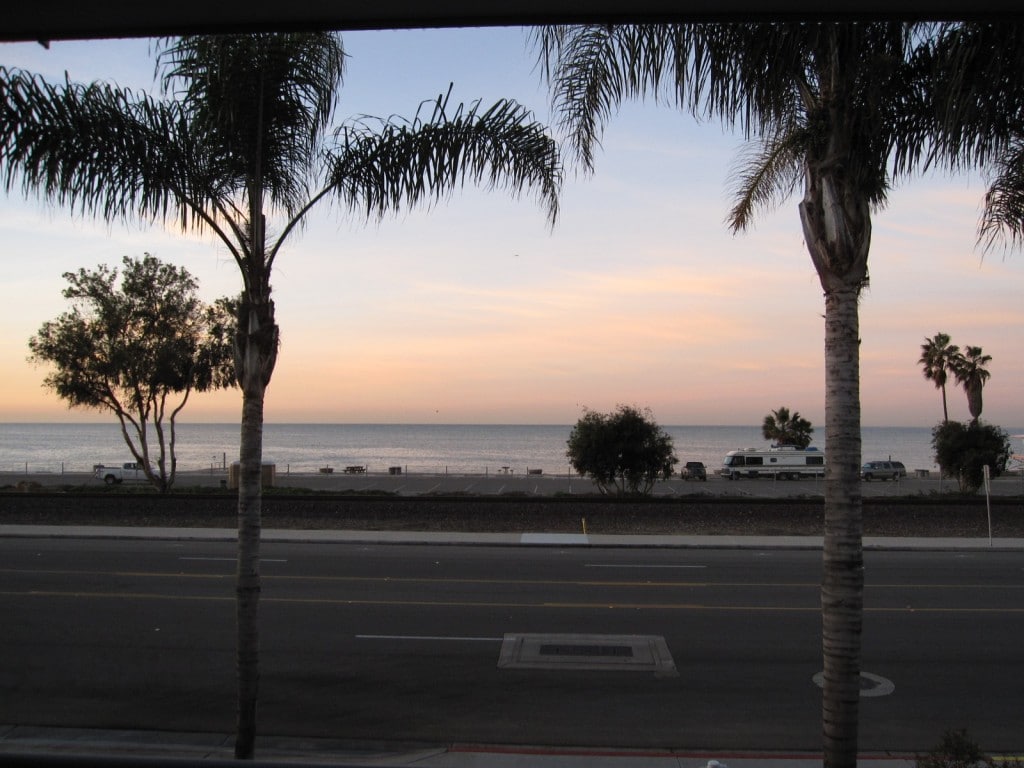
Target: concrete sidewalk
x=504, y=539
x=153, y=748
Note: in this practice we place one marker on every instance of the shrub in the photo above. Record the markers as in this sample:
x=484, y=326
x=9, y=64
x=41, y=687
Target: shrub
x=622, y=452
x=956, y=750
x=962, y=450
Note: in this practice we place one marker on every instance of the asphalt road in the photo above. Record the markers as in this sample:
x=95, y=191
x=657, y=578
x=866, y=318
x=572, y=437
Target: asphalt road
x=404, y=643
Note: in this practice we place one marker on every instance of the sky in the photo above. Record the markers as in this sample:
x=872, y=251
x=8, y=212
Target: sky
x=478, y=311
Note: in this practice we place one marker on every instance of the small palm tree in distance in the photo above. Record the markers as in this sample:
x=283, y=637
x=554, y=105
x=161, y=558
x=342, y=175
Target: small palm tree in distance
x=969, y=370
x=937, y=358
x=785, y=428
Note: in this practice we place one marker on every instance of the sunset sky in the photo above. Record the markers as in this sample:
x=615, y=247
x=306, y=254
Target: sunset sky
x=477, y=312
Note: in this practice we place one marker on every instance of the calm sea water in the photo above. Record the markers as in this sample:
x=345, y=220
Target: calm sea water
x=415, y=447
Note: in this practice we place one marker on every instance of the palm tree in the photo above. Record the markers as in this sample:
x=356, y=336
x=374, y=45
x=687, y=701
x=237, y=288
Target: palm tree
x=787, y=428
x=969, y=370
x=824, y=103
x=239, y=137
x=937, y=357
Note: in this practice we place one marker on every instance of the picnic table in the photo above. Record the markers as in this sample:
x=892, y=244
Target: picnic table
x=355, y=469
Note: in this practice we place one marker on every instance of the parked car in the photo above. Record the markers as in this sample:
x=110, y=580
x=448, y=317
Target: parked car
x=694, y=470
x=883, y=470
x=127, y=471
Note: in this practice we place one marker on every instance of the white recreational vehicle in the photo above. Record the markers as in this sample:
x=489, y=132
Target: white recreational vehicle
x=783, y=462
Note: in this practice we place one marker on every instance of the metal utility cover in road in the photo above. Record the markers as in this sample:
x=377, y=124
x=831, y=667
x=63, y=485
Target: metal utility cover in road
x=629, y=653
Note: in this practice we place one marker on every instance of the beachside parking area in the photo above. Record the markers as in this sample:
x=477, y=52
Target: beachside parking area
x=414, y=484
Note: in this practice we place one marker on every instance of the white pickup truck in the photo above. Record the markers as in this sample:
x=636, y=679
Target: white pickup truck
x=130, y=471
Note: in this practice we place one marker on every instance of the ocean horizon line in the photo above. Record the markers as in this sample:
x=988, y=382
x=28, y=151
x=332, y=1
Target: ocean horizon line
x=307, y=446
x=102, y=422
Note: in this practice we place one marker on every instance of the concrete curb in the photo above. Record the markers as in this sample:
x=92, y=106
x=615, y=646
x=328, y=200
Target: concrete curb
x=157, y=749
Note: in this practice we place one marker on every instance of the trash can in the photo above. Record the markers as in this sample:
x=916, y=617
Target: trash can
x=268, y=473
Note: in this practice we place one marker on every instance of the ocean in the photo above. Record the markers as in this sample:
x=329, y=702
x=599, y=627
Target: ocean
x=421, y=448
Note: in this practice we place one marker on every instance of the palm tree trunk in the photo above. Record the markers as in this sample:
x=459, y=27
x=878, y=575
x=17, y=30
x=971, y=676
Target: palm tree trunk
x=247, y=577
x=974, y=401
x=256, y=357
x=842, y=589
x=837, y=231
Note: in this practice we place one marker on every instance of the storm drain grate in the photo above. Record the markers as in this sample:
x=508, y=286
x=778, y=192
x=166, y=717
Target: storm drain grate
x=585, y=650
x=631, y=653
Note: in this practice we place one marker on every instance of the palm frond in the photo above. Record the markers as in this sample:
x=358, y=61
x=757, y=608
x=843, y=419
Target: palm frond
x=100, y=150
x=765, y=175
x=1002, y=220
x=592, y=69
x=977, y=92
x=384, y=165
x=263, y=101
x=912, y=116
x=80, y=146
x=759, y=78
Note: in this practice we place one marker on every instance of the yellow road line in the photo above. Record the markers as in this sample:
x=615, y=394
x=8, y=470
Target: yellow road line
x=503, y=582
x=601, y=605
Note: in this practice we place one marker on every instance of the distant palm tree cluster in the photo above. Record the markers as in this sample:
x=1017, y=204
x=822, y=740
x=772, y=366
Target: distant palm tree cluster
x=940, y=357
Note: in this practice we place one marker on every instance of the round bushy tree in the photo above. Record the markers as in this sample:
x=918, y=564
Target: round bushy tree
x=622, y=452
x=962, y=450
